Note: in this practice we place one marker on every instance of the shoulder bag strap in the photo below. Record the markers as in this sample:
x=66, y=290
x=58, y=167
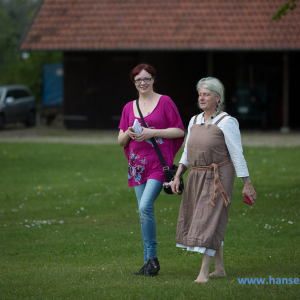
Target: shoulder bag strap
x=161, y=158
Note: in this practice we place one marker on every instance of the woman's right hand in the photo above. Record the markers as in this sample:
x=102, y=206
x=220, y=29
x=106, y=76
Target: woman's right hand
x=131, y=133
x=249, y=191
x=175, y=185
x=124, y=137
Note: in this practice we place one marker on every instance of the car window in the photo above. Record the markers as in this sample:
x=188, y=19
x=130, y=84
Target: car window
x=1, y=92
x=21, y=94
x=10, y=94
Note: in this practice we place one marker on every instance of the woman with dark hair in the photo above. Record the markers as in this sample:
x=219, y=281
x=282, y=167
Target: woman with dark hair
x=214, y=150
x=145, y=172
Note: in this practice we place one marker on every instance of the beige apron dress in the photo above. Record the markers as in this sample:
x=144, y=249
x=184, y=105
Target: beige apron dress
x=205, y=204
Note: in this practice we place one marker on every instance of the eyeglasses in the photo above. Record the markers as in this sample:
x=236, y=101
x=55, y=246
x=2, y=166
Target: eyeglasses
x=140, y=80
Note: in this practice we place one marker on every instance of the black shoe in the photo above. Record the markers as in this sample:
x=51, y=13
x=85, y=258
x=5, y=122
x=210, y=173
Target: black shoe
x=141, y=270
x=152, y=267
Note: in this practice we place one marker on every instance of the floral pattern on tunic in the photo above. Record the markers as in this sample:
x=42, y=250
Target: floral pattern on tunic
x=134, y=169
x=157, y=139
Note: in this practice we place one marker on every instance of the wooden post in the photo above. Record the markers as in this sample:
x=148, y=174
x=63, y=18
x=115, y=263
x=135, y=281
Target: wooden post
x=209, y=63
x=285, y=94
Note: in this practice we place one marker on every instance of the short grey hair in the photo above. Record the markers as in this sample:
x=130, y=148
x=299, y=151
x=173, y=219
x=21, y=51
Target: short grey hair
x=217, y=88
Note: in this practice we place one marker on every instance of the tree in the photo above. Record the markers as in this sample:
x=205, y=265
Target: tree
x=15, y=16
x=290, y=4
x=8, y=32
x=29, y=71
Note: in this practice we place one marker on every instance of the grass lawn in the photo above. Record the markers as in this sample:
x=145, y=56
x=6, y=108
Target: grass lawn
x=69, y=228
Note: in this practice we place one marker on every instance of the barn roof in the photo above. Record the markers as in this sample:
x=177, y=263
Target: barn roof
x=162, y=25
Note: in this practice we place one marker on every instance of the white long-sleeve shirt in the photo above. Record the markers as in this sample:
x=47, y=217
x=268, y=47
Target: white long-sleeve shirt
x=231, y=131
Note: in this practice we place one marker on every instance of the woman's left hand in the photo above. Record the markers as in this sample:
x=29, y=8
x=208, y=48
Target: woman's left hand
x=146, y=134
x=175, y=185
x=249, y=191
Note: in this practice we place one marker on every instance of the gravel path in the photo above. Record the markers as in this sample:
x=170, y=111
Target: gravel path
x=51, y=134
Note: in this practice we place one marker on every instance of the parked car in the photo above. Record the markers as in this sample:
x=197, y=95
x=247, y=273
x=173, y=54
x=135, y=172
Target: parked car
x=17, y=103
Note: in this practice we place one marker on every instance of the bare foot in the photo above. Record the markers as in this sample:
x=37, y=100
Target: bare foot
x=201, y=279
x=218, y=273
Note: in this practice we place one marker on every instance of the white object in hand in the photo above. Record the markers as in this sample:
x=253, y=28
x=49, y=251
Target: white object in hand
x=167, y=184
x=136, y=127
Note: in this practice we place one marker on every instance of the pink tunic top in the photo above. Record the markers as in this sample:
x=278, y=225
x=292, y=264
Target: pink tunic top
x=143, y=162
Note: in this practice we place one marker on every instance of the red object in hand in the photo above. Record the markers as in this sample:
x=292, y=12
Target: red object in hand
x=247, y=200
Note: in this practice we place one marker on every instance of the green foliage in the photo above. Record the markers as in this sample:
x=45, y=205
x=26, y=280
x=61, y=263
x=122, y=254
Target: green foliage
x=28, y=71
x=8, y=31
x=290, y=4
x=15, y=16
x=69, y=228
x=14, y=19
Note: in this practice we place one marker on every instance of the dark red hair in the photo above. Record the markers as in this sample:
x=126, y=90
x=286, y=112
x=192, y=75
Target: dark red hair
x=139, y=68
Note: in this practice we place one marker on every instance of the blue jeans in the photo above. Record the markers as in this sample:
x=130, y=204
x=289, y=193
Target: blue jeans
x=146, y=195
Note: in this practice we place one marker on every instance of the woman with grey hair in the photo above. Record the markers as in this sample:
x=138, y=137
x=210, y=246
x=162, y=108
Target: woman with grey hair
x=213, y=150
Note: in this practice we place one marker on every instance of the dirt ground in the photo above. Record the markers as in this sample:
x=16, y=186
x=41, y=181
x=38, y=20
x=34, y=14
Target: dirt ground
x=53, y=134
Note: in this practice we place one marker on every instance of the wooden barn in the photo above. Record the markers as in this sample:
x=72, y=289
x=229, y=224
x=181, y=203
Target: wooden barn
x=257, y=58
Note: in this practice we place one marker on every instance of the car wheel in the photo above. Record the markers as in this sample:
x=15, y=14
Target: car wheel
x=31, y=120
x=1, y=121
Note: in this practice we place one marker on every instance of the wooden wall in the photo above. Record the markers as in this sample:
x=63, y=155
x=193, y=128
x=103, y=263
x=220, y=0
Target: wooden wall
x=97, y=85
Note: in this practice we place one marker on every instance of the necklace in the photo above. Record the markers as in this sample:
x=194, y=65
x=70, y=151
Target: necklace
x=203, y=118
x=147, y=101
